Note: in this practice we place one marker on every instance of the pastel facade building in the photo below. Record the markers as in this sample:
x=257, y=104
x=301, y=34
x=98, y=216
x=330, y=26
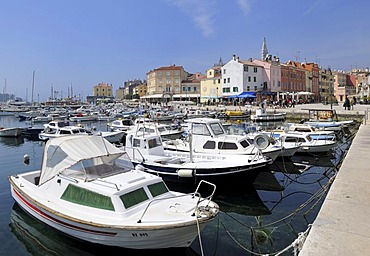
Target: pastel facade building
x=165, y=80
x=239, y=76
x=211, y=87
x=103, y=89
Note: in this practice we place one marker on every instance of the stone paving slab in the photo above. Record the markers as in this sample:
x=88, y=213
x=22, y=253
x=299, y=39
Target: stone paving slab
x=342, y=225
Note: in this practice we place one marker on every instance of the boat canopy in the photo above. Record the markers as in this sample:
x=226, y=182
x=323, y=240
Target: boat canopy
x=64, y=152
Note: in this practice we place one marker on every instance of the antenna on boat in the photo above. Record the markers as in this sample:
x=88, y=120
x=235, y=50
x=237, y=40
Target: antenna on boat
x=190, y=135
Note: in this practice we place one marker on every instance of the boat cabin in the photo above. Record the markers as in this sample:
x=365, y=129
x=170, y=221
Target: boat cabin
x=328, y=115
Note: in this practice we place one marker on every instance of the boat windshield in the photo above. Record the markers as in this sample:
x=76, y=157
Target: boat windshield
x=98, y=167
x=217, y=129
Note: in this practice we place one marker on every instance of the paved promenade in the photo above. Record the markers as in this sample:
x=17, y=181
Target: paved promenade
x=342, y=226
x=343, y=223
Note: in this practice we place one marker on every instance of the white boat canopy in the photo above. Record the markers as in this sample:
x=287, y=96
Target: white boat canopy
x=63, y=152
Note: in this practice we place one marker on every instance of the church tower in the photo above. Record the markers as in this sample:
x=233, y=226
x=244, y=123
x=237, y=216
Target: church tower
x=264, y=51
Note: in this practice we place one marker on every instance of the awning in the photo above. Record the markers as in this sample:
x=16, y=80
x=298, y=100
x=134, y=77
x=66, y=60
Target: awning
x=153, y=96
x=247, y=95
x=189, y=95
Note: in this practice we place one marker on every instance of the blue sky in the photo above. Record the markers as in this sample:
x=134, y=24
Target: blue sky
x=85, y=42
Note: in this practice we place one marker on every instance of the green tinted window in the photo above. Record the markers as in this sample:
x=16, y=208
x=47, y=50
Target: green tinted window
x=134, y=197
x=157, y=189
x=87, y=197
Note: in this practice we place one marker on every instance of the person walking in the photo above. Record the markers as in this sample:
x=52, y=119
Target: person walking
x=346, y=104
x=351, y=102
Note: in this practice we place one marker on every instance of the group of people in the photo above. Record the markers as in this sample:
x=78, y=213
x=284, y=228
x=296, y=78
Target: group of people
x=349, y=103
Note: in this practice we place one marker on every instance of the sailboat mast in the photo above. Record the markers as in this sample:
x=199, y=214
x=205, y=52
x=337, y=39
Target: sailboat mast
x=33, y=85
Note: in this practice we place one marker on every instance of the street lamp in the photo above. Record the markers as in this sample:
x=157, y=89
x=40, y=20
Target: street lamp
x=331, y=89
x=216, y=96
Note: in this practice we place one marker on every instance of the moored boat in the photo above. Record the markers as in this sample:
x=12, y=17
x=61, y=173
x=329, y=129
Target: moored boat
x=10, y=132
x=88, y=189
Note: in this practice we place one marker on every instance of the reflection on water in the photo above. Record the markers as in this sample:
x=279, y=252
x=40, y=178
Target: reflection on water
x=12, y=141
x=263, y=218
x=40, y=239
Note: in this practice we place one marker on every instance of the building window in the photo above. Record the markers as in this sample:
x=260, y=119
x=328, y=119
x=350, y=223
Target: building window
x=254, y=79
x=255, y=69
x=177, y=73
x=195, y=88
x=226, y=89
x=210, y=73
x=224, y=71
x=228, y=80
x=248, y=88
x=219, y=81
x=235, y=89
x=183, y=88
x=159, y=73
x=246, y=68
x=255, y=88
x=168, y=73
x=224, y=80
x=168, y=81
x=249, y=78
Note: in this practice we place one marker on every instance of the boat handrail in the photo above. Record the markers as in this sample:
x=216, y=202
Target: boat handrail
x=209, y=183
x=196, y=193
x=67, y=178
x=104, y=181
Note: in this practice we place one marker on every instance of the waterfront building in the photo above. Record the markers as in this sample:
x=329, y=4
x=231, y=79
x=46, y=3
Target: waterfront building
x=140, y=90
x=326, y=89
x=130, y=89
x=165, y=81
x=293, y=77
x=103, y=89
x=239, y=76
x=271, y=73
x=362, y=83
x=339, y=84
x=190, y=88
x=313, y=70
x=211, y=87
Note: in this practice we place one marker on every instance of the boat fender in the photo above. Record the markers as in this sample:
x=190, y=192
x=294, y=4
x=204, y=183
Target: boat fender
x=186, y=173
x=26, y=159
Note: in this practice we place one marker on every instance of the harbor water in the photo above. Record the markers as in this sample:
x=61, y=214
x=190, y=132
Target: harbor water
x=264, y=218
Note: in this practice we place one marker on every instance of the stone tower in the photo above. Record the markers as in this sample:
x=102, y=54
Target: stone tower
x=264, y=51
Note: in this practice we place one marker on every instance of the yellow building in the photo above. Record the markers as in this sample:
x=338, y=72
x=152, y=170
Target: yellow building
x=140, y=90
x=103, y=89
x=211, y=88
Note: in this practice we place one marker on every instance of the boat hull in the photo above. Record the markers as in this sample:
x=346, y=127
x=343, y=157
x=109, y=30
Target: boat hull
x=10, y=132
x=144, y=237
x=188, y=175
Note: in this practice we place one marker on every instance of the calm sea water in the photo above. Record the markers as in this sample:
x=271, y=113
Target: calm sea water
x=264, y=218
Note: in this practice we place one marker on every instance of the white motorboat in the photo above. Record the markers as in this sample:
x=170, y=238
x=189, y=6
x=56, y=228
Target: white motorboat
x=87, y=188
x=10, y=132
x=209, y=136
x=122, y=124
x=263, y=116
x=166, y=131
x=306, y=143
x=326, y=119
x=190, y=167
x=49, y=133
x=315, y=132
x=111, y=136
